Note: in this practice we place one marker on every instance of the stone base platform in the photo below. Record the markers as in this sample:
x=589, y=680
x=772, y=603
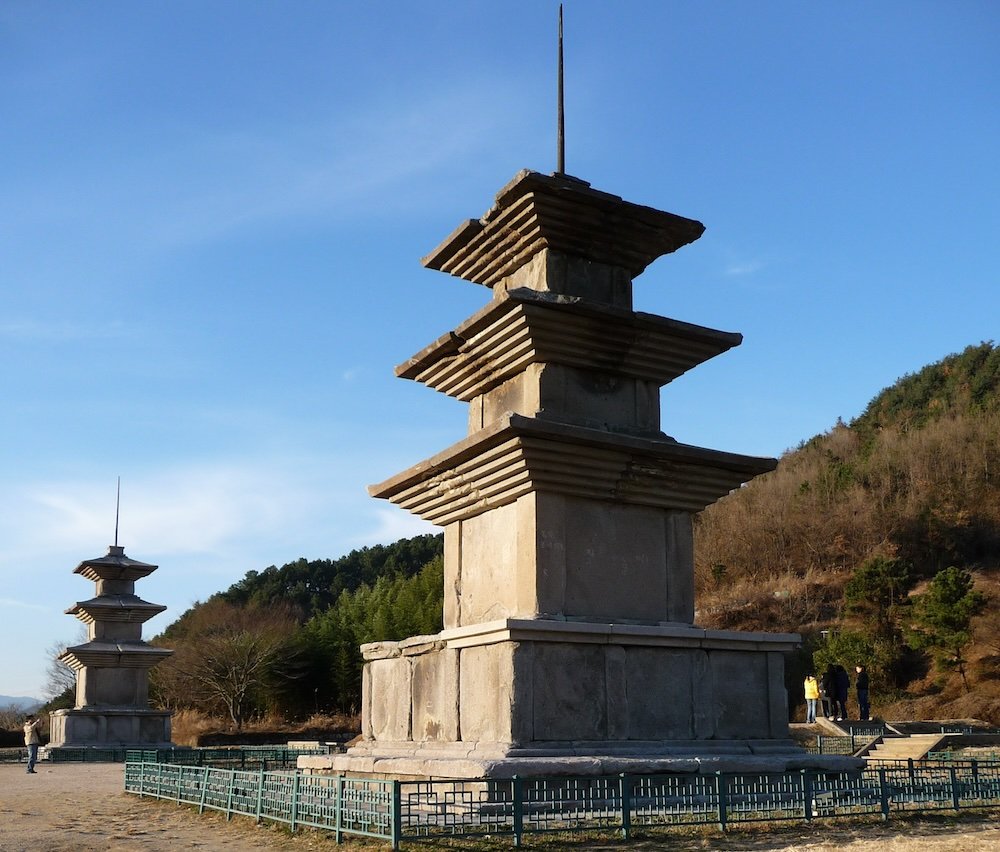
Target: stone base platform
x=418, y=764
x=109, y=728
x=554, y=697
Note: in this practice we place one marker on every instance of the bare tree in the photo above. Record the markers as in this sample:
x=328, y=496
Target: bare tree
x=226, y=658
x=59, y=678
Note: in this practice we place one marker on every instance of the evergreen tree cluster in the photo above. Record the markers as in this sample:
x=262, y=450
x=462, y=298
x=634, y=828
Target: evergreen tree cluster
x=287, y=640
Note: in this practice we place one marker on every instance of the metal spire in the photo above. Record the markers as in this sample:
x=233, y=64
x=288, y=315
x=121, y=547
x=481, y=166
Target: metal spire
x=118, y=502
x=561, y=142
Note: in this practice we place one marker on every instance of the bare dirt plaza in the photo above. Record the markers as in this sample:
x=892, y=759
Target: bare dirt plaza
x=81, y=807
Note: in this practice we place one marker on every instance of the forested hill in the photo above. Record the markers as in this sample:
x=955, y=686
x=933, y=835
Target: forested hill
x=964, y=384
x=310, y=587
x=313, y=586
x=913, y=483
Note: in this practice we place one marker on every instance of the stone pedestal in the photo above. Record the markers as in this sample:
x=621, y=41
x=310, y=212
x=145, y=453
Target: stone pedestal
x=112, y=668
x=109, y=728
x=569, y=644
x=537, y=697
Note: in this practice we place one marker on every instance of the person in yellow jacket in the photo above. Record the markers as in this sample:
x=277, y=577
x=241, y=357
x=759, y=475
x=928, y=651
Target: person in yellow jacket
x=812, y=693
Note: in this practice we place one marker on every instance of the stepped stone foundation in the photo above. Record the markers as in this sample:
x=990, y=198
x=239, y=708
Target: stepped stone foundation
x=568, y=645
x=112, y=668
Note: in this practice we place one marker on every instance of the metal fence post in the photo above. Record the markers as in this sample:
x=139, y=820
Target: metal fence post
x=975, y=779
x=909, y=769
x=625, y=784
x=260, y=794
x=397, y=815
x=338, y=819
x=295, y=800
x=517, y=795
x=204, y=791
x=229, y=795
x=883, y=792
x=807, y=795
x=720, y=790
x=954, y=788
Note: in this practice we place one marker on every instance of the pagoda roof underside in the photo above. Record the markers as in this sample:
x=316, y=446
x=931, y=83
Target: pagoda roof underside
x=518, y=455
x=534, y=212
x=128, y=608
x=527, y=327
x=114, y=568
x=120, y=655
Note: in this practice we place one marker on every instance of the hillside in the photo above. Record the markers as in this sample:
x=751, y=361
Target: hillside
x=913, y=481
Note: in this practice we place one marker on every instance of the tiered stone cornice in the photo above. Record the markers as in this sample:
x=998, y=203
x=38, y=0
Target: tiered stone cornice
x=115, y=566
x=114, y=655
x=108, y=608
x=518, y=455
x=536, y=212
x=527, y=327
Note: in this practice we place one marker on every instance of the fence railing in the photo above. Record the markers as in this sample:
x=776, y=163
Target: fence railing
x=251, y=757
x=844, y=745
x=363, y=807
x=13, y=755
x=395, y=811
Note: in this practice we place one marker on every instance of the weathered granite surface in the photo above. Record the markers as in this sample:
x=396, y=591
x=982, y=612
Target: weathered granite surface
x=569, y=644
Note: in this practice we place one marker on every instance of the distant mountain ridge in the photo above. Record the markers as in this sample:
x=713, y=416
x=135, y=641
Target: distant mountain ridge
x=21, y=701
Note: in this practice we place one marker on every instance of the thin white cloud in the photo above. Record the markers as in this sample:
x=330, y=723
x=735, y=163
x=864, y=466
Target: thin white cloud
x=394, y=524
x=32, y=330
x=748, y=267
x=191, y=509
x=222, y=180
x=12, y=603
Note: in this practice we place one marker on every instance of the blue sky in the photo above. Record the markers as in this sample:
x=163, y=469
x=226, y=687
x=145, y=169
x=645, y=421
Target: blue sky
x=212, y=214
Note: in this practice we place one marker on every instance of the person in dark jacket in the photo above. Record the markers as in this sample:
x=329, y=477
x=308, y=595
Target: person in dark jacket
x=842, y=685
x=828, y=691
x=861, y=685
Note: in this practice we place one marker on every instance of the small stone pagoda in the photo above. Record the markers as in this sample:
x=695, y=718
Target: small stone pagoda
x=112, y=668
x=568, y=644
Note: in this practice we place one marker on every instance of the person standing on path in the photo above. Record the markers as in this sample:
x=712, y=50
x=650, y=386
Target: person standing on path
x=842, y=684
x=32, y=740
x=812, y=694
x=864, y=708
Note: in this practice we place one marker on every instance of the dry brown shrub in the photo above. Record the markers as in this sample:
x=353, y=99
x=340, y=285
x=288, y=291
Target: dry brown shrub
x=187, y=725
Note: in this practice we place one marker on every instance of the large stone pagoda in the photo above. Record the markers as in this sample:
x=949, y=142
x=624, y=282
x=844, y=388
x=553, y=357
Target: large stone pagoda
x=112, y=668
x=568, y=644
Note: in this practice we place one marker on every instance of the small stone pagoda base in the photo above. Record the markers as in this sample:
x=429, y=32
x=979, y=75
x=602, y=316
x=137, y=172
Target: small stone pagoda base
x=109, y=728
x=533, y=697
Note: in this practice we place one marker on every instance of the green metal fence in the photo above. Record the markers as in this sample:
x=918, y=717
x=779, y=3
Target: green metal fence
x=340, y=805
x=252, y=757
x=395, y=811
x=13, y=755
x=844, y=745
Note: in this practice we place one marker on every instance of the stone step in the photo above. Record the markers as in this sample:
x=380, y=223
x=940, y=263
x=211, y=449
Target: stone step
x=913, y=747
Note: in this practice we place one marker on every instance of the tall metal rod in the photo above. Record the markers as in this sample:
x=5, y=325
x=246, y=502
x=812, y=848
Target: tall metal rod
x=561, y=159
x=118, y=503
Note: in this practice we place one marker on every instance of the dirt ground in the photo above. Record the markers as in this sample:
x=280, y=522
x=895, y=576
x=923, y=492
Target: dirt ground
x=82, y=807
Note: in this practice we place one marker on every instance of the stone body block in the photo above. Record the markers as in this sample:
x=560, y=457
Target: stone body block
x=112, y=687
x=391, y=687
x=564, y=557
x=435, y=697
